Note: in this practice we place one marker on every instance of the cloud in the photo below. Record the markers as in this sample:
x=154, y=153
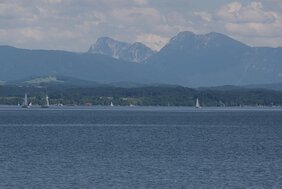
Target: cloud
x=141, y=2
x=154, y=41
x=44, y=23
x=251, y=21
x=273, y=3
x=264, y=41
x=255, y=29
x=75, y=25
x=236, y=12
x=136, y=16
x=204, y=16
x=54, y=1
x=81, y=21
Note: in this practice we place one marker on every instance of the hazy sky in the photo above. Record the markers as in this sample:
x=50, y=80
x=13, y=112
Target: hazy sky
x=76, y=24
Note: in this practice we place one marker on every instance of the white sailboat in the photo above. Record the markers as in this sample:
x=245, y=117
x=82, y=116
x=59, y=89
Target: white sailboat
x=47, y=102
x=198, y=104
x=25, y=103
x=112, y=105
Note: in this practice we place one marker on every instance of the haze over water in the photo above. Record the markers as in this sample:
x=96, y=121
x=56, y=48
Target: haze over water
x=140, y=148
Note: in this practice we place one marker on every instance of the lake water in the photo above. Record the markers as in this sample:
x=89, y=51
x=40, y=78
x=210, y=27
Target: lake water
x=102, y=147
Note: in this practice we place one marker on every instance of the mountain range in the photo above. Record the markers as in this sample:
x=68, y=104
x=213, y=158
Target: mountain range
x=211, y=59
x=188, y=59
x=136, y=52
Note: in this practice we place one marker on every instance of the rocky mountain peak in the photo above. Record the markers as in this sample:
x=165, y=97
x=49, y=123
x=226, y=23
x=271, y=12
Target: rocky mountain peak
x=136, y=52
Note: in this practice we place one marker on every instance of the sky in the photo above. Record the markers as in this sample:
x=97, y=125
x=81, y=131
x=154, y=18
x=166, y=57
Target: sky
x=74, y=25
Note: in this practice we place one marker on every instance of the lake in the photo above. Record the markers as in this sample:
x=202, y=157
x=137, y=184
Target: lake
x=140, y=147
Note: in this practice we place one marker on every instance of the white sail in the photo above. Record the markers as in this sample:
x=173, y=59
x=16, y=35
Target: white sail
x=25, y=100
x=47, y=101
x=46, y=105
x=25, y=103
x=112, y=104
x=198, y=103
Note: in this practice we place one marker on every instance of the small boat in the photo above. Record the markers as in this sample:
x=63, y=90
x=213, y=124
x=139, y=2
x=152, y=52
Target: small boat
x=25, y=103
x=112, y=105
x=198, y=104
x=47, y=103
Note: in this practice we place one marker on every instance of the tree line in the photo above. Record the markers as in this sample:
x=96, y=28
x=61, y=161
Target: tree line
x=141, y=96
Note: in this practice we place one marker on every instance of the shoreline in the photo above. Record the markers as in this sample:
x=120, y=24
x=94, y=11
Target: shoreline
x=142, y=108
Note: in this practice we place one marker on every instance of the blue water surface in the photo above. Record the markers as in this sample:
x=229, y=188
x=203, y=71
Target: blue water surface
x=140, y=147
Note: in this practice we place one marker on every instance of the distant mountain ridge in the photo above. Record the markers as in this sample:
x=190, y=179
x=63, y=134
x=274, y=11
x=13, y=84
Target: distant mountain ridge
x=271, y=86
x=214, y=58
x=17, y=64
x=188, y=59
x=136, y=52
